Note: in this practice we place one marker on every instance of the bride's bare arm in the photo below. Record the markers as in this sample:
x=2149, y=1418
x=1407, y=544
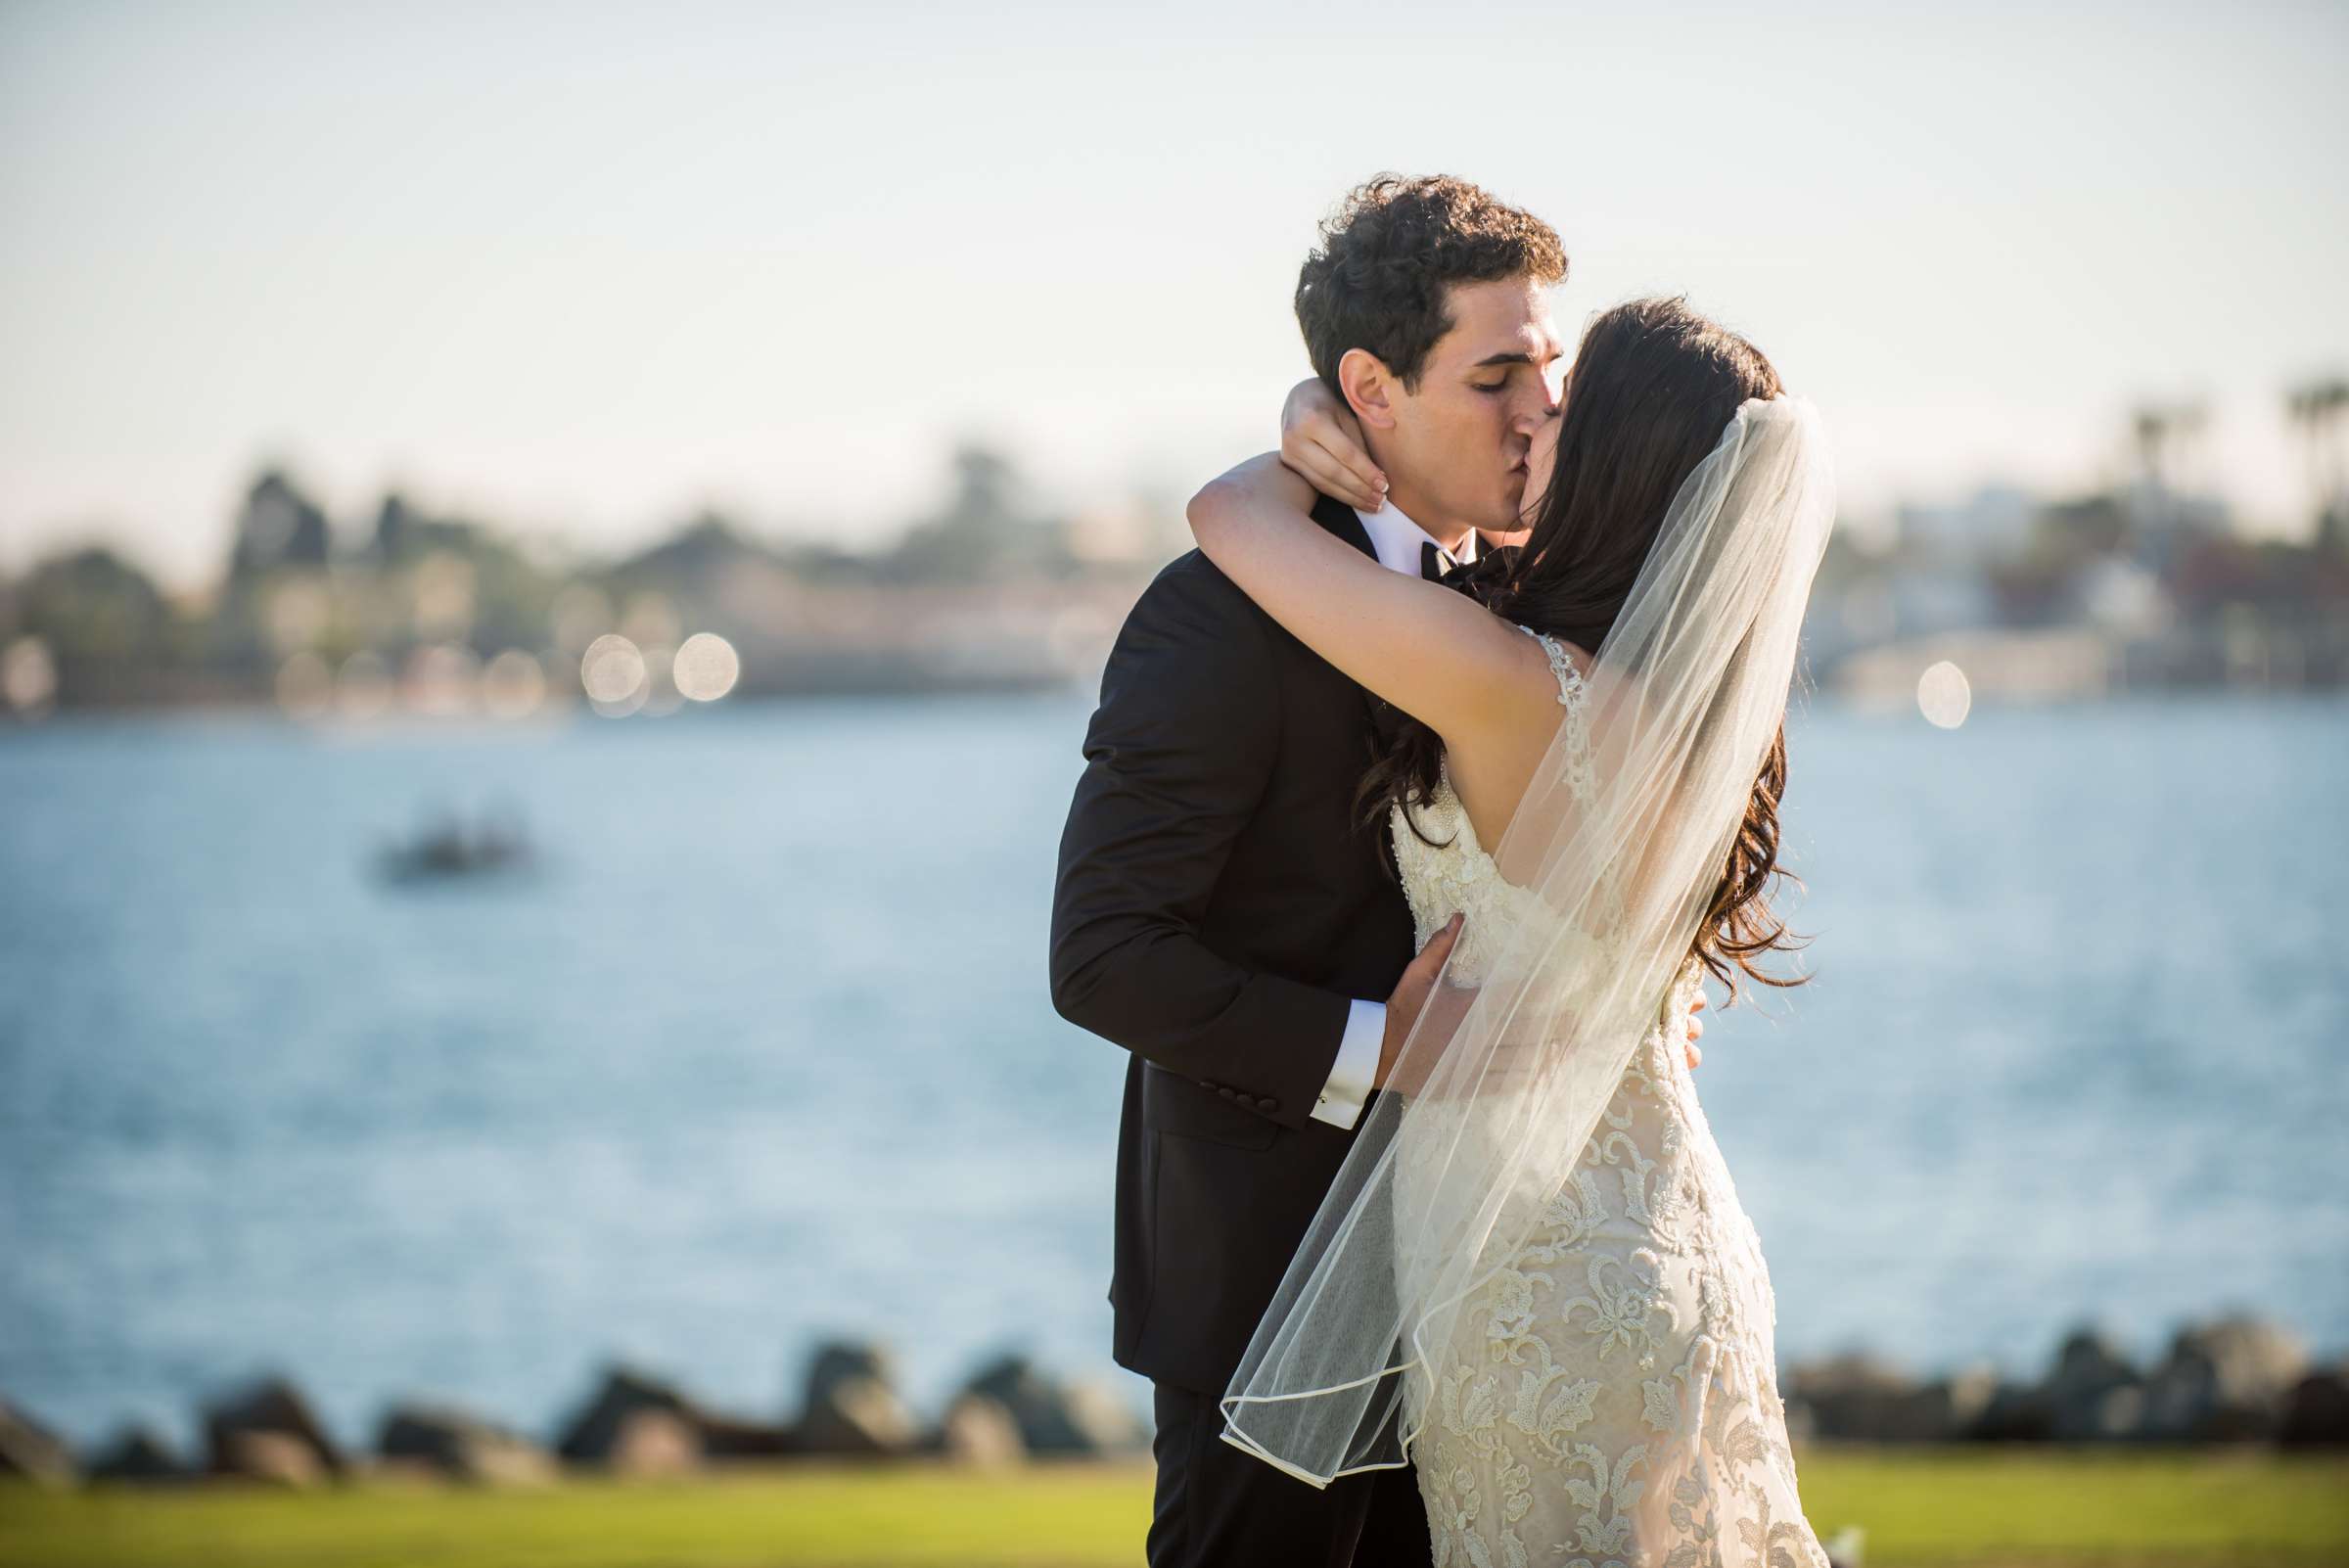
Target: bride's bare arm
x=1281, y=499
x=1433, y=653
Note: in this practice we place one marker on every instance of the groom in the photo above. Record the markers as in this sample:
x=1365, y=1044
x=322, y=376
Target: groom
x=1221, y=913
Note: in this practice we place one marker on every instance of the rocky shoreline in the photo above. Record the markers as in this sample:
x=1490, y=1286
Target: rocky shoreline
x=633, y=1424
x=2235, y=1379
x=2238, y=1378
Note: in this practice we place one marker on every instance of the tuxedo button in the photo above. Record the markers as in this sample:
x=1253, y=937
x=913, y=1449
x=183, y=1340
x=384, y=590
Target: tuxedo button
x=1226, y=1093
x=1267, y=1103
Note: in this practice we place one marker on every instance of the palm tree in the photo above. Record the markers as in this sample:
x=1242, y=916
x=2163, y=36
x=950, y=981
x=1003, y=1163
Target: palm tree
x=2165, y=434
x=2321, y=410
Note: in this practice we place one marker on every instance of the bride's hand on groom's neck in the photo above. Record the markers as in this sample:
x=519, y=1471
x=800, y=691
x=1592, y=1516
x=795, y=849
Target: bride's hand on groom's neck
x=1321, y=441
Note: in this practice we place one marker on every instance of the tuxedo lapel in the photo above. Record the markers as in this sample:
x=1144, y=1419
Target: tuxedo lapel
x=1339, y=518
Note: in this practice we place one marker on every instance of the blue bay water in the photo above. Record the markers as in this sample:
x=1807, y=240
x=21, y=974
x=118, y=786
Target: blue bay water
x=763, y=1052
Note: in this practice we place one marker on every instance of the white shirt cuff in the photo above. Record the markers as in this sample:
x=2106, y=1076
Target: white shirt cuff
x=1356, y=1067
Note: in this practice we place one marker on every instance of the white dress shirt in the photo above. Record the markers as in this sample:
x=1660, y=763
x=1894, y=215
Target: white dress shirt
x=1397, y=541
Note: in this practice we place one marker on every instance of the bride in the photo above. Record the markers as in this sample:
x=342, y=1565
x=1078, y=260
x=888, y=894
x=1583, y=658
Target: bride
x=1532, y=1277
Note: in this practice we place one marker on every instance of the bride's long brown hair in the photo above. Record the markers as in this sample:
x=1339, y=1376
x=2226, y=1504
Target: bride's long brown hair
x=1654, y=383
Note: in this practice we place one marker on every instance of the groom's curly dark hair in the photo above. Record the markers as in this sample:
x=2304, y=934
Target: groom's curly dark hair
x=1376, y=281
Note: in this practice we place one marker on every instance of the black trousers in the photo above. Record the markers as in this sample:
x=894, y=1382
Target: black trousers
x=1218, y=1507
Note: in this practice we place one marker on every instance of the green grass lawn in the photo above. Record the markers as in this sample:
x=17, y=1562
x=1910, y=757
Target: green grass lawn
x=2242, y=1509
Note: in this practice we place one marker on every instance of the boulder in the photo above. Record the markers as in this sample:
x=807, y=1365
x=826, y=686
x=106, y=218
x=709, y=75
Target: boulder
x=463, y=1447
x=852, y=1406
x=1854, y=1396
x=685, y=1434
x=1085, y=1418
x=2092, y=1390
x=1946, y=1408
x=2015, y=1413
x=1859, y=1397
x=2225, y=1381
x=272, y=1408
x=138, y=1456
x=31, y=1451
x=1104, y=1420
x=979, y=1432
x=594, y=1435
x=2315, y=1416
x=650, y=1442
x=1971, y=1388
x=258, y=1454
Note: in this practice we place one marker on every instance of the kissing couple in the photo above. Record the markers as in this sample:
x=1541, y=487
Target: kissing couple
x=1421, y=800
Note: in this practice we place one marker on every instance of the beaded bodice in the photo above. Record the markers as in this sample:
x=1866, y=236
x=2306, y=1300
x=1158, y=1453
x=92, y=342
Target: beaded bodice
x=1446, y=871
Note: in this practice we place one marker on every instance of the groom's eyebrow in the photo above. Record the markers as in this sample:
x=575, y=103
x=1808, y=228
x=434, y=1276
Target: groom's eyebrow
x=1516, y=356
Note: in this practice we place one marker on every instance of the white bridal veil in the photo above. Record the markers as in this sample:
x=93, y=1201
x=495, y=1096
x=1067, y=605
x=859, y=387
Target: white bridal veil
x=1621, y=838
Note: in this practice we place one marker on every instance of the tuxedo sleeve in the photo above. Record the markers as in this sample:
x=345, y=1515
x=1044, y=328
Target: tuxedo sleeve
x=1178, y=759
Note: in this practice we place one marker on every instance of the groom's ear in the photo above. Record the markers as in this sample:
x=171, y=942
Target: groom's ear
x=1368, y=386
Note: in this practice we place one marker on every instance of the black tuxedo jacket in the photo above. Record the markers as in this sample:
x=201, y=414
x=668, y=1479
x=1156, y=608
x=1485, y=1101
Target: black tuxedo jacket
x=1216, y=911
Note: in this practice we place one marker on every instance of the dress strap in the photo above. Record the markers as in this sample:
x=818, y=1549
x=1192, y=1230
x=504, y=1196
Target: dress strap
x=1573, y=695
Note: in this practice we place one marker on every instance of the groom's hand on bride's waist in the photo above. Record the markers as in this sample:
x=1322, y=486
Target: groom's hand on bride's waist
x=1421, y=995
x=1415, y=995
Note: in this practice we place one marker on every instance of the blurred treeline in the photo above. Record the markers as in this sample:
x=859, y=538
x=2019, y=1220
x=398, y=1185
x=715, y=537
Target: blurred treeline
x=409, y=611
x=2144, y=580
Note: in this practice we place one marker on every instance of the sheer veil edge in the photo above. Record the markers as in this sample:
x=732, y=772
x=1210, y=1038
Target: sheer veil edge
x=1618, y=843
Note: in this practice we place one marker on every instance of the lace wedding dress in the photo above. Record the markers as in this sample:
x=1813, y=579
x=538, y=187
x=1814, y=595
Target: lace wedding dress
x=1608, y=1397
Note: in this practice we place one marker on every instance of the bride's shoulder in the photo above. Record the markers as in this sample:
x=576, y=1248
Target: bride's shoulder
x=1569, y=663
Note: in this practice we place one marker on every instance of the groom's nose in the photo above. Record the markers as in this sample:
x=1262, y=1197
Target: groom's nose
x=1533, y=412
x=1551, y=388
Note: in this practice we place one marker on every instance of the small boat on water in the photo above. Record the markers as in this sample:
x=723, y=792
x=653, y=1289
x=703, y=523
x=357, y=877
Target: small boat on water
x=448, y=849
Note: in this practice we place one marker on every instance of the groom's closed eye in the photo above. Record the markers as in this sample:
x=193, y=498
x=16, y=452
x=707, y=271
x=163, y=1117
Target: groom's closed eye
x=1498, y=370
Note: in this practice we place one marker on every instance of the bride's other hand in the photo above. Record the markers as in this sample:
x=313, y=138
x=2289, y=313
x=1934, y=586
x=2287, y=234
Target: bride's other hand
x=1322, y=441
x=1696, y=1029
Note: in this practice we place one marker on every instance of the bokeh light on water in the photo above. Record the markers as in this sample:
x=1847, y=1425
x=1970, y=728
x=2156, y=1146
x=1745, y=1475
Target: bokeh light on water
x=611, y=672
x=706, y=667
x=1944, y=696
x=28, y=674
x=513, y=685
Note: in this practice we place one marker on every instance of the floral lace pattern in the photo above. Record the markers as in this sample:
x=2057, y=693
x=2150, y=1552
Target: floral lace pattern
x=1608, y=1397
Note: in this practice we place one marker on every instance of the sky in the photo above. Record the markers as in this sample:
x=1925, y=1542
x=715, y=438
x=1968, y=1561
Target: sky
x=586, y=269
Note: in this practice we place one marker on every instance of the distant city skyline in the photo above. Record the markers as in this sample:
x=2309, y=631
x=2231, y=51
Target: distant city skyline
x=592, y=269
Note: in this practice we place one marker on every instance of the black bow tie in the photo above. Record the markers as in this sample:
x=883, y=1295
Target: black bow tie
x=1435, y=563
